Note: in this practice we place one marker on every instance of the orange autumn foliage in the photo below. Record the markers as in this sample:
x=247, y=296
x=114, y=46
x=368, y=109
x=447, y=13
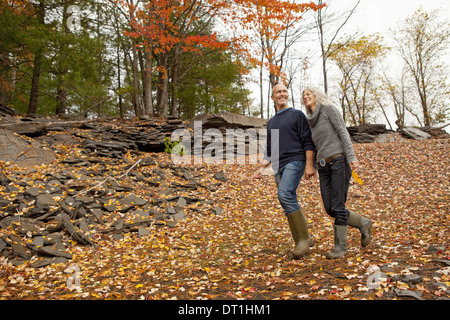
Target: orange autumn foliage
x=161, y=25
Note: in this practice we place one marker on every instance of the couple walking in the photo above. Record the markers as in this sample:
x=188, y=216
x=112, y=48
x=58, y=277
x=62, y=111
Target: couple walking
x=302, y=140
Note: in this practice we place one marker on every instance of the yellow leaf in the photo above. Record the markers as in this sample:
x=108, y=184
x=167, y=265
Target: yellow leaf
x=218, y=280
x=140, y=285
x=357, y=178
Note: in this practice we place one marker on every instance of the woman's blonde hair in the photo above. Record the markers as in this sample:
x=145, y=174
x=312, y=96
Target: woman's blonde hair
x=321, y=96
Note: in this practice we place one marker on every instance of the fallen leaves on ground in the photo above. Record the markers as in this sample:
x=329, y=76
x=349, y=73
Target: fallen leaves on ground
x=245, y=251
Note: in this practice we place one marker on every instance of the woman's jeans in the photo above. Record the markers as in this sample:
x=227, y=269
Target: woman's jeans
x=287, y=179
x=334, y=182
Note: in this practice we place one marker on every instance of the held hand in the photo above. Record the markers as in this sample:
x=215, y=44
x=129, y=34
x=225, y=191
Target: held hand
x=309, y=172
x=309, y=168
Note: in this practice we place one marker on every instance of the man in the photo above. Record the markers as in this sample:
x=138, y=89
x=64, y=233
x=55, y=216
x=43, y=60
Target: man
x=290, y=130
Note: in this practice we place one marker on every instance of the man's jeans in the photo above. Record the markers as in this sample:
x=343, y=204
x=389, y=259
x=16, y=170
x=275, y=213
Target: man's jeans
x=334, y=182
x=287, y=179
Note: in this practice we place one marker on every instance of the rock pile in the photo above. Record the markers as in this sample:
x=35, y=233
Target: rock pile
x=142, y=134
x=378, y=133
x=8, y=112
x=231, y=134
x=43, y=213
x=367, y=133
x=227, y=121
x=95, y=191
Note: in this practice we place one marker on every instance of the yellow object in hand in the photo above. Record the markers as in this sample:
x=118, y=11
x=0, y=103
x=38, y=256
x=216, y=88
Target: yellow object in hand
x=357, y=178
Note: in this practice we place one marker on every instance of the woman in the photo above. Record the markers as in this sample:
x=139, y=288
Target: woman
x=336, y=160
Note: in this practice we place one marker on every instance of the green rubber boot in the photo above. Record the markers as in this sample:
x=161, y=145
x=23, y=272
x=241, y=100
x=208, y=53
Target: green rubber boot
x=299, y=230
x=363, y=225
x=340, y=243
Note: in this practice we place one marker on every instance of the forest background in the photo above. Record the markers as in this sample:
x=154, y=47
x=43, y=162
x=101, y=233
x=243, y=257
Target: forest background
x=182, y=58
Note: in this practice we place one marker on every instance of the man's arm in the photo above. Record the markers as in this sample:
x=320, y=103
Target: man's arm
x=309, y=169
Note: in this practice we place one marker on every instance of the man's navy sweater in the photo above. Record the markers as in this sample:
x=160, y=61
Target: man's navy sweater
x=294, y=138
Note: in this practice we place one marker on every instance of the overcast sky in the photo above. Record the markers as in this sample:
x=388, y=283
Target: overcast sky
x=372, y=16
x=380, y=15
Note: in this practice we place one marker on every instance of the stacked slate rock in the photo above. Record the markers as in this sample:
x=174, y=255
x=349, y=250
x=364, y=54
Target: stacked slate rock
x=46, y=214
x=227, y=134
x=102, y=136
x=146, y=136
x=369, y=133
x=366, y=133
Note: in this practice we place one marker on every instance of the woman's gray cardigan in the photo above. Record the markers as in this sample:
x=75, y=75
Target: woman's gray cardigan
x=329, y=133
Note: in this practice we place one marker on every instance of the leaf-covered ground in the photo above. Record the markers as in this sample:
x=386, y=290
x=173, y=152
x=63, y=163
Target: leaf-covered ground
x=244, y=252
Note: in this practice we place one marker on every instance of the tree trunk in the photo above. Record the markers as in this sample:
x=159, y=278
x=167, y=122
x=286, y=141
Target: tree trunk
x=34, y=92
x=119, y=84
x=147, y=82
x=163, y=88
x=423, y=97
x=119, y=46
x=61, y=98
x=100, y=65
x=261, y=79
x=325, y=48
x=137, y=105
x=174, y=111
x=127, y=61
x=322, y=47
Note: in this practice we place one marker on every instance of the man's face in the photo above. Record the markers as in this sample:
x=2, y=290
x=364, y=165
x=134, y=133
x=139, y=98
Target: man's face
x=280, y=96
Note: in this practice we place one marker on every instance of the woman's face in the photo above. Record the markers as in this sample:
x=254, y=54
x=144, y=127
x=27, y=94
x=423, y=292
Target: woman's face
x=309, y=99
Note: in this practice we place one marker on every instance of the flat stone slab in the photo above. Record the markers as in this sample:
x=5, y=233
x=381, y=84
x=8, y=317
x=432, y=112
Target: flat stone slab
x=21, y=251
x=408, y=278
x=46, y=199
x=142, y=231
x=408, y=293
x=48, y=250
x=416, y=134
x=33, y=191
x=45, y=261
x=20, y=151
x=133, y=200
